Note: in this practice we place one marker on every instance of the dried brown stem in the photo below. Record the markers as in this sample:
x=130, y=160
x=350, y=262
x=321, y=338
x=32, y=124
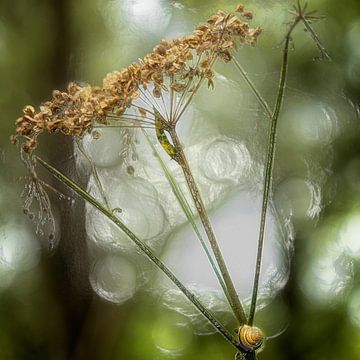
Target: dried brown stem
x=195, y=193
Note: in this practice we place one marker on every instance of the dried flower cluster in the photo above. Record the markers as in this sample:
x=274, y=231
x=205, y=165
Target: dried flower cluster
x=177, y=66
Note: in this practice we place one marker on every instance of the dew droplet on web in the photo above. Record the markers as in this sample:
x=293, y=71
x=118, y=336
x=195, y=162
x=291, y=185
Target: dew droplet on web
x=114, y=278
x=222, y=99
x=104, y=151
x=213, y=300
x=299, y=198
x=235, y=223
x=171, y=333
x=146, y=16
x=349, y=234
x=19, y=250
x=141, y=212
x=225, y=161
x=308, y=122
x=274, y=318
x=328, y=276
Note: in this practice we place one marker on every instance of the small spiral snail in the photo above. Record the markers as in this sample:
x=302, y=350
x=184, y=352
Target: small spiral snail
x=250, y=337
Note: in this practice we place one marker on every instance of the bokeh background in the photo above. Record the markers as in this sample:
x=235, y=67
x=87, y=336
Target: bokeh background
x=48, y=309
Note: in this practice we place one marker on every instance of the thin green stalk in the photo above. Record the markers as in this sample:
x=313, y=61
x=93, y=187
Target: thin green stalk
x=195, y=193
x=269, y=168
x=188, y=212
x=315, y=38
x=95, y=173
x=144, y=248
x=253, y=88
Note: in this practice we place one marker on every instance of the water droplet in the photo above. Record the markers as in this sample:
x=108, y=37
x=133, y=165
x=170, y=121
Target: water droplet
x=19, y=250
x=236, y=226
x=114, y=279
x=309, y=122
x=222, y=97
x=172, y=333
x=349, y=235
x=225, y=160
x=213, y=300
x=299, y=198
x=330, y=272
x=105, y=151
x=141, y=212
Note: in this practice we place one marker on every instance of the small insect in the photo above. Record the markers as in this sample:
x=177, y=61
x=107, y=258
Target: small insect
x=161, y=136
x=96, y=135
x=130, y=170
x=250, y=337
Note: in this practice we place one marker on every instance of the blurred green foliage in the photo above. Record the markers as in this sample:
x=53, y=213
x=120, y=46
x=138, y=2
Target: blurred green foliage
x=45, y=44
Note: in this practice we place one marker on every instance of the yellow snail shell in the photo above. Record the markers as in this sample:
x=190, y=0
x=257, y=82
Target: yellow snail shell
x=251, y=337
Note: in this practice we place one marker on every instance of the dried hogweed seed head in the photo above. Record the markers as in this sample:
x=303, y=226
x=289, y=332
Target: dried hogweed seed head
x=171, y=66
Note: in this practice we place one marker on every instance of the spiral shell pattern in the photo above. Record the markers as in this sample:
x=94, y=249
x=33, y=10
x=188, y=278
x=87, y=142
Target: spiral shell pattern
x=251, y=337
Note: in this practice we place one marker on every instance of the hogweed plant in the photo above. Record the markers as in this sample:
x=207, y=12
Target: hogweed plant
x=155, y=93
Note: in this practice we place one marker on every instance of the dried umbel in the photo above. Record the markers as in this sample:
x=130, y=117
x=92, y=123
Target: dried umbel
x=177, y=67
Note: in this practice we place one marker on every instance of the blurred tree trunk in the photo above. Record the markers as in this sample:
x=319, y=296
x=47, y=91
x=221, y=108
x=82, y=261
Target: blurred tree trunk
x=71, y=261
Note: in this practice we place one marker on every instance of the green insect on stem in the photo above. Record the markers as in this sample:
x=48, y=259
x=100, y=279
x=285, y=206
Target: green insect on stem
x=161, y=136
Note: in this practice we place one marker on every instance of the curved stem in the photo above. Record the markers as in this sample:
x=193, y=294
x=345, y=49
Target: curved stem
x=231, y=294
x=253, y=88
x=269, y=168
x=144, y=248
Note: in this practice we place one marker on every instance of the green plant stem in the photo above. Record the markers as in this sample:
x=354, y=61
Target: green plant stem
x=195, y=193
x=95, y=173
x=144, y=248
x=269, y=167
x=253, y=88
x=187, y=210
x=190, y=216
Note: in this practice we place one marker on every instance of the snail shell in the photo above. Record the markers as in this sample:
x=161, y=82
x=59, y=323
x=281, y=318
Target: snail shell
x=251, y=337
